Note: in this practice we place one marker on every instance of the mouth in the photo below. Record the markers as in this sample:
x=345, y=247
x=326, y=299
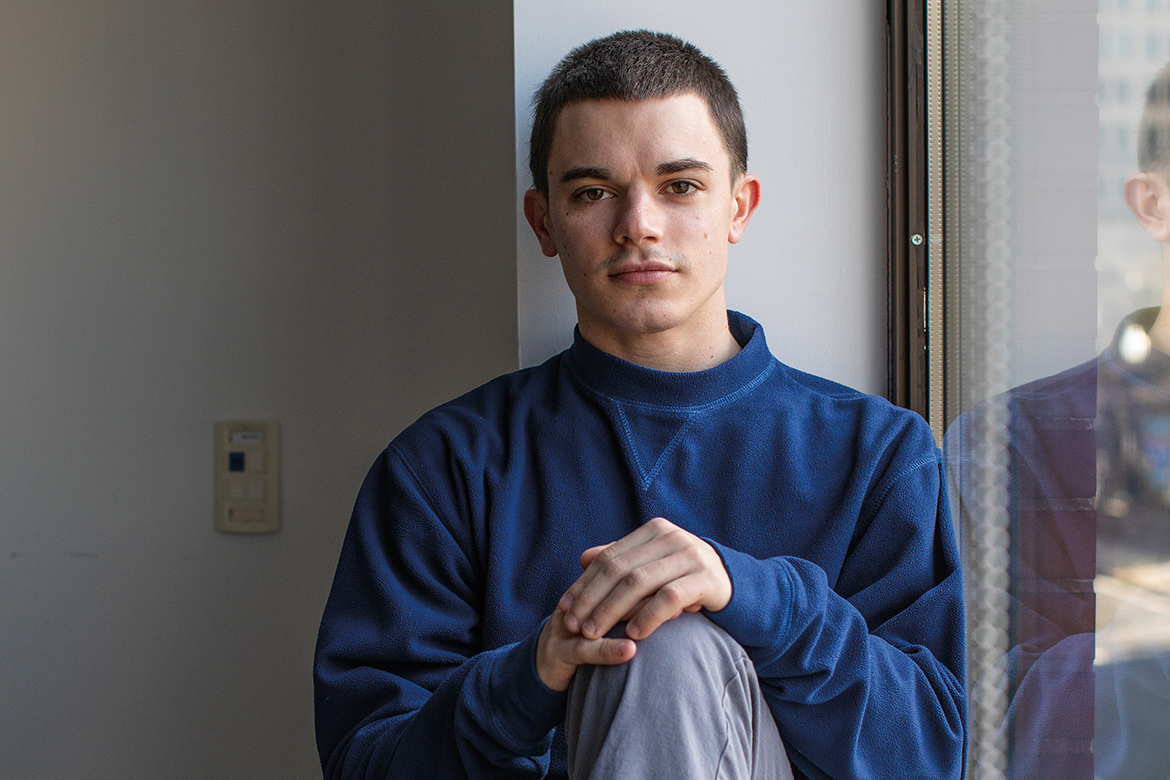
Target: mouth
x=642, y=273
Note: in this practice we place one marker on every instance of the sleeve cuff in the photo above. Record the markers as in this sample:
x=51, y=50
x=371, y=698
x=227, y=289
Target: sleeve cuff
x=759, y=611
x=529, y=707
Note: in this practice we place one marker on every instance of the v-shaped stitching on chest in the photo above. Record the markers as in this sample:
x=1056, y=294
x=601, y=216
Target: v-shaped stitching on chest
x=646, y=476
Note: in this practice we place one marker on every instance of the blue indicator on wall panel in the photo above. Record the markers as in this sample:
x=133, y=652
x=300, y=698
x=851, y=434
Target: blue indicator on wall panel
x=247, y=477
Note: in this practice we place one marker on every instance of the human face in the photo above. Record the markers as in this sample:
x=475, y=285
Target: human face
x=641, y=209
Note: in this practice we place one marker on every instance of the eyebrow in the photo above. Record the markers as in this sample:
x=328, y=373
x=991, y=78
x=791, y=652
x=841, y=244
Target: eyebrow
x=685, y=164
x=664, y=169
x=585, y=172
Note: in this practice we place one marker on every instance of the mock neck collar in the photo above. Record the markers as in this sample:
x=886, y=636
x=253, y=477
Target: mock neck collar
x=616, y=378
x=1153, y=370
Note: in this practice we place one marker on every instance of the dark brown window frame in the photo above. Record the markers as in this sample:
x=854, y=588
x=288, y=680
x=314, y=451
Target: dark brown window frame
x=907, y=192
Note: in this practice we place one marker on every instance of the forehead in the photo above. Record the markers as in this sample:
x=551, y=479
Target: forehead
x=610, y=133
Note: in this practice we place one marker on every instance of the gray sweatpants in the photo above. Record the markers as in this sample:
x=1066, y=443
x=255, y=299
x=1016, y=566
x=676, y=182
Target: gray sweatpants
x=688, y=706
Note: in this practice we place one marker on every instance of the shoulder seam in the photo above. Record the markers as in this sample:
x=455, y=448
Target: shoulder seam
x=429, y=500
x=891, y=482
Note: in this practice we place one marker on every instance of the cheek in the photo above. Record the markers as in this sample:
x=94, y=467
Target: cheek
x=705, y=225
x=572, y=268
x=577, y=229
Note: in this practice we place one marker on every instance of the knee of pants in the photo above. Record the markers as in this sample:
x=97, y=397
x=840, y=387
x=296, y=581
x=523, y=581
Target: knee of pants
x=690, y=642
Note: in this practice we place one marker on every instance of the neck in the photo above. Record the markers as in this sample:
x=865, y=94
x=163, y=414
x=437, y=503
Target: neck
x=1160, y=331
x=680, y=357
x=672, y=350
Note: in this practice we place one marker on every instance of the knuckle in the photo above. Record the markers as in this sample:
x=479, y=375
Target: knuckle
x=582, y=653
x=682, y=540
x=673, y=594
x=635, y=580
x=606, y=555
x=611, y=567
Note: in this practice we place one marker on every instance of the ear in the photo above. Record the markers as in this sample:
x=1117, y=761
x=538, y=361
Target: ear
x=1148, y=197
x=537, y=214
x=744, y=200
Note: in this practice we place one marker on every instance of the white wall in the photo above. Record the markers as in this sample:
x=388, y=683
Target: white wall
x=810, y=76
x=211, y=210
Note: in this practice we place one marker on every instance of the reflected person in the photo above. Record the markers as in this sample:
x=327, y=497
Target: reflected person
x=1090, y=531
x=1133, y=474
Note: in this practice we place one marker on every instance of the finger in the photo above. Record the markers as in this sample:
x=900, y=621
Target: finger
x=608, y=568
x=632, y=540
x=651, y=528
x=682, y=595
x=559, y=653
x=689, y=579
x=604, y=651
x=569, y=655
x=631, y=579
x=634, y=611
x=592, y=568
x=587, y=558
x=591, y=554
x=573, y=650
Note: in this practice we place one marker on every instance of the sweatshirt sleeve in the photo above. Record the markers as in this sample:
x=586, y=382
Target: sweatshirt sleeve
x=402, y=687
x=864, y=675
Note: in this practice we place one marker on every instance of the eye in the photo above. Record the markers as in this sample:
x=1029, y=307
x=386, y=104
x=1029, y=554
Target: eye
x=682, y=187
x=593, y=194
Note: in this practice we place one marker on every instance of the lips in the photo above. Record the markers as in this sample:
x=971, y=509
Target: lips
x=642, y=273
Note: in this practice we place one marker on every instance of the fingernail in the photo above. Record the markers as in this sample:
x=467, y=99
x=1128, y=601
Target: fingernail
x=566, y=603
x=588, y=628
x=571, y=623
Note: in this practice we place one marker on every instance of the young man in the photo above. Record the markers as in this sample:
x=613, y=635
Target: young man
x=515, y=592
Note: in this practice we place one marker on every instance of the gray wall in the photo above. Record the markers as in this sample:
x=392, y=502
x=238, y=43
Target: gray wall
x=214, y=210
x=305, y=210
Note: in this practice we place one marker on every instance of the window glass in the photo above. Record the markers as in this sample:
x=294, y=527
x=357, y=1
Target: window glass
x=1057, y=234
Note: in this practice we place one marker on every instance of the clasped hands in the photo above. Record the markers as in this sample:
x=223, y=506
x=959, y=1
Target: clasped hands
x=647, y=577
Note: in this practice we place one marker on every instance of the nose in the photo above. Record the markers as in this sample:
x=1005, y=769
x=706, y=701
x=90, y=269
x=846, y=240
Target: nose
x=639, y=220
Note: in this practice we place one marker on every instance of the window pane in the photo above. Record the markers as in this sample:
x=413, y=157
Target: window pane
x=1058, y=379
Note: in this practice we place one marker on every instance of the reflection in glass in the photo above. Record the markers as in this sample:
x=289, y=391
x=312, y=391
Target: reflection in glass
x=1079, y=427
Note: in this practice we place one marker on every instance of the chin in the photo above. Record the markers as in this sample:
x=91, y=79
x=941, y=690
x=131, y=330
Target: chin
x=644, y=317
x=650, y=323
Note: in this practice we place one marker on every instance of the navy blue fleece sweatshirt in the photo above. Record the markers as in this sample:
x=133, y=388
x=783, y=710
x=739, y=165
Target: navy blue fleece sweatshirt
x=826, y=506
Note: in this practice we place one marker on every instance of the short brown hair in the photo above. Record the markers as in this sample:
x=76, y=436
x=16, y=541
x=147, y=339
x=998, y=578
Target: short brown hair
x=635, y=65
x=1154, y=128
